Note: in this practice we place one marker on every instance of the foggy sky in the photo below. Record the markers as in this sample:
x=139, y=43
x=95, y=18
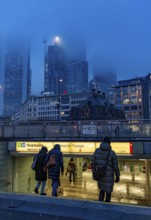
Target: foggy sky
x=115, y=33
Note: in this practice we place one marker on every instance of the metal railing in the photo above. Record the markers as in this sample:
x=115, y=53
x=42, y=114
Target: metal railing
x=78, y=130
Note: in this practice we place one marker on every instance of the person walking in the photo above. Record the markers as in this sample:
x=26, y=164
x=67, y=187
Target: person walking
x=40, y=175
x=54, y=170
x=71, y=168
x=102, y=155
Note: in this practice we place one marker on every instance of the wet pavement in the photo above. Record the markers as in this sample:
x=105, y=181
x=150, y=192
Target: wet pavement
x=128, y=191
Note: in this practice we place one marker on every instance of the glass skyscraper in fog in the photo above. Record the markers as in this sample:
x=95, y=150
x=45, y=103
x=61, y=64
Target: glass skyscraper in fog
x=54, y=70
x=64, y=75
x=15, y=73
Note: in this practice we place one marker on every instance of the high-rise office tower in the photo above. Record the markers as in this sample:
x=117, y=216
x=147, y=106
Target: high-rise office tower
x=131, y=96
x=65, y=73
x=103, y=82
x=15, y=73
x=77, y=76
x=54, y=69
x=76, y=66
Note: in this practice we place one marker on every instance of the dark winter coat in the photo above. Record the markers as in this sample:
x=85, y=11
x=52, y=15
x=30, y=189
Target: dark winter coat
x=106, y=183
x=40, y=175
x=54, y=171
x=71, y=166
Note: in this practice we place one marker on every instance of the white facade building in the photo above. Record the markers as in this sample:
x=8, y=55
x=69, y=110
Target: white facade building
x=46, y=107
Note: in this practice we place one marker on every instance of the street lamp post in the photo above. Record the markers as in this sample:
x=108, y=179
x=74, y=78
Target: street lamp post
x=60, y=80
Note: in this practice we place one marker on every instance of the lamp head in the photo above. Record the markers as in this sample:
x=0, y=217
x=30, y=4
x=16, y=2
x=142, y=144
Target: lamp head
x=57, y=40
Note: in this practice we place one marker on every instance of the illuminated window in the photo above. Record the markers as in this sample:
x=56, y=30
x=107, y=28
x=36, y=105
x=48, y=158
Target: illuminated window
x=126, y=101
x=134, y=114
x=133, y=94
x=133, y=100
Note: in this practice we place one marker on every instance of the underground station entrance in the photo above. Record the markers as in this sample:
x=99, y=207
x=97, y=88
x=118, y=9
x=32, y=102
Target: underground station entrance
x=133, y=188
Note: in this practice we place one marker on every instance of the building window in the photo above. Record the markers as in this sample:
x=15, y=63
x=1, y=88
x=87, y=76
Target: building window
x=126, y=101
x=118, y=102
x=118, y=95
x=133, y=100
x=72, y=113
x=126, y=108
x=85, y=112
x=98, y=112
x=134, y=107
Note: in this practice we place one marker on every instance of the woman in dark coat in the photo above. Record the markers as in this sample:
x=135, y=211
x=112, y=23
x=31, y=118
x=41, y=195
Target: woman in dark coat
x=40, y=175
x=54, y=171
x=106, y=182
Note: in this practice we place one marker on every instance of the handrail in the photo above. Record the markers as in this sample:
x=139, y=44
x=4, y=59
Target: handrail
x=78, y=130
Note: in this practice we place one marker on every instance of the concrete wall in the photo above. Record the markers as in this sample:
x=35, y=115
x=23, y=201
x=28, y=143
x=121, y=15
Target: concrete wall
x=6, y=168
x=24, y=176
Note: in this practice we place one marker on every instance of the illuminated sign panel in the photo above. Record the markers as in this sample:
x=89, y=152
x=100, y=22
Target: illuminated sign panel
x=73, y=147
x=32, y=146
x=77, y=147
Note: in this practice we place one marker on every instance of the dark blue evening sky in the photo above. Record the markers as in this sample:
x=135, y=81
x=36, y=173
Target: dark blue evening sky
x=116, y=33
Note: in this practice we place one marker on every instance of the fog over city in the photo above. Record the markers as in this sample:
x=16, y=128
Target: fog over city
x=116, y=34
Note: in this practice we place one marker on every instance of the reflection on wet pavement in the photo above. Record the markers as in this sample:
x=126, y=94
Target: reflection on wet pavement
x=128, y=191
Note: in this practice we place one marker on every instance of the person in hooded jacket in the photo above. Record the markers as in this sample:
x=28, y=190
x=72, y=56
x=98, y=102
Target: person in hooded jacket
x=71, y=168
x=106, y=183
x=40, y=175
x=54, y=171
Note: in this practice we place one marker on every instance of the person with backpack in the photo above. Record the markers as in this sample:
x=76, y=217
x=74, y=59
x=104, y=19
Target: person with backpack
x=71, y=168
x=105, y=157
x=54, y=164
x=40, y=175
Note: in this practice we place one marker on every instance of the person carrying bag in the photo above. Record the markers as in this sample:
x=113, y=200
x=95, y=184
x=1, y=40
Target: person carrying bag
x=105, y=158
x=99, y=172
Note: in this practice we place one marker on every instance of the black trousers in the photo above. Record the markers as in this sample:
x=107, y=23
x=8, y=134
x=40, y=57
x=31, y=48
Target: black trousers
x=72, y=176
x=105, y=195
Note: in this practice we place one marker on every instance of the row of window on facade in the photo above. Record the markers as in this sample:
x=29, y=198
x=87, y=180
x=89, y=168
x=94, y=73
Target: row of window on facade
x=127, y=101
x=133, y=107
x=55, y=102
x=48, y=118
x=130, y=96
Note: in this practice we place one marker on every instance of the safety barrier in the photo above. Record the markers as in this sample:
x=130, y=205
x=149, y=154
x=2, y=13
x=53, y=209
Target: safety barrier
x=79, y=130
